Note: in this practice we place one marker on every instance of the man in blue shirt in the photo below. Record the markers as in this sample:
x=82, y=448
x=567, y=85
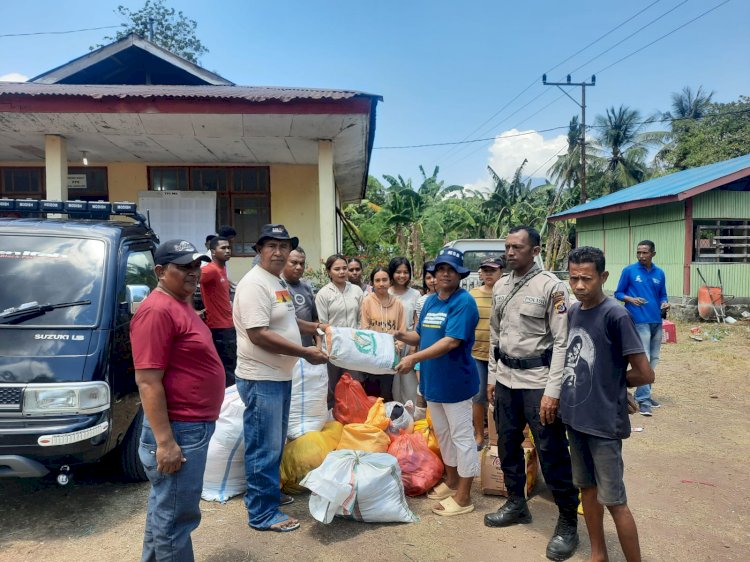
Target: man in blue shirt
x=643, y=289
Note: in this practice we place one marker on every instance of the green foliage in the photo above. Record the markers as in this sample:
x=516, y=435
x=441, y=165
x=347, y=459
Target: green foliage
x=400, y=218
x=172, y=29
x=623, y=137
x=722, y=133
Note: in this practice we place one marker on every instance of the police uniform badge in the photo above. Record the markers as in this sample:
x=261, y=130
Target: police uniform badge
x=558, y=302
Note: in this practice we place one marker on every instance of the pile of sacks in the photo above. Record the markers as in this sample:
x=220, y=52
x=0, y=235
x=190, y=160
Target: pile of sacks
x=361, y=464
x=224, y=476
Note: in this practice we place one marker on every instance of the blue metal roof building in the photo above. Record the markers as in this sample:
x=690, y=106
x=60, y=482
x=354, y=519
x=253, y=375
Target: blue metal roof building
x=665, y=189
x=697, y=218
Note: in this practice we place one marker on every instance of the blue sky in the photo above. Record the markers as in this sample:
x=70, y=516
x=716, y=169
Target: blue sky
x=444, y=68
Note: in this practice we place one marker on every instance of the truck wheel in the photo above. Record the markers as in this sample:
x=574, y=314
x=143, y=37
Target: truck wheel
x=130, y=462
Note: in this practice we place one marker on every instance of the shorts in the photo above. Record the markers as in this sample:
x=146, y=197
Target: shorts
x=481, y=396
x=597, y=462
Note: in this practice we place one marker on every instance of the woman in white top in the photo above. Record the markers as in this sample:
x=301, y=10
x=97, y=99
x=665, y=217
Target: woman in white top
x=338, y=304
x=399, y=268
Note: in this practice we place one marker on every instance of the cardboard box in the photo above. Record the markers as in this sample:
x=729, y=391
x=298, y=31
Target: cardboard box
x=668, y=332
x=491, y=474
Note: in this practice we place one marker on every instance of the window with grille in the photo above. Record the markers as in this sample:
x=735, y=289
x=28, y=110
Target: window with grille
x=722, y=241
x=243, y=196
x=23, y=183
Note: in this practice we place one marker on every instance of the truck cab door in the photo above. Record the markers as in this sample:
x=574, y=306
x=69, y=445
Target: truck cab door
x=136, y=267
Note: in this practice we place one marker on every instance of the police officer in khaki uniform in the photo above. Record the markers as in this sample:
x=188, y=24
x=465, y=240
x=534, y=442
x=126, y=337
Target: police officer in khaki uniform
x=528, y=339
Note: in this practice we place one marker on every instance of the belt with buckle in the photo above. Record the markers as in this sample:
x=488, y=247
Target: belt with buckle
x=523, y=362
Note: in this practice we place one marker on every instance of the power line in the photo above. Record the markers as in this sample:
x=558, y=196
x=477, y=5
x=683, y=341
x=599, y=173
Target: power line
x=471, y=141
x=631, y=18
x=664, y=36
x=550, y=129
x=531, y=175
x=538, y=111
x=578, y=68
x=524, y=106
x=536, y=80
x=58, y=32
x=637, y=31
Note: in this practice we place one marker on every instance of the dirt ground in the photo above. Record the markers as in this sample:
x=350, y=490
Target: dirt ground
x=686, y=474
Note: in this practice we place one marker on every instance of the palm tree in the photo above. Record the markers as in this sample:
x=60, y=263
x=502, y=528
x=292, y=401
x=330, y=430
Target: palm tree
x=623, y=136
x=687, y=105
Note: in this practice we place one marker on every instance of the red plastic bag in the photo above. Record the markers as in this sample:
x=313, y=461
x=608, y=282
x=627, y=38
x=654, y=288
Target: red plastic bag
x=351, y=404
x=421, y=469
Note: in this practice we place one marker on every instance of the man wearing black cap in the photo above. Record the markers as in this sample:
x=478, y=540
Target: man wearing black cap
x=268, y=345
x=181, y=384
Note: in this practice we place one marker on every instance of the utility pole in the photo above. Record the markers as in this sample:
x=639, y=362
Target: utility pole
x=582, y=105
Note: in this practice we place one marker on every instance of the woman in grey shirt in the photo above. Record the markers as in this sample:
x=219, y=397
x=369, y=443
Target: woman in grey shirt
x=338, y=304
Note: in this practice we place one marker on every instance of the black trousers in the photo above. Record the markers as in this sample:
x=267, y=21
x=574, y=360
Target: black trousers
x=514, y=408
x=225, y=341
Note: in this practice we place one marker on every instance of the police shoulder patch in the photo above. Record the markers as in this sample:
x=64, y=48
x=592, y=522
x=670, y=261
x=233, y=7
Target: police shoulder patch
x=558, y=302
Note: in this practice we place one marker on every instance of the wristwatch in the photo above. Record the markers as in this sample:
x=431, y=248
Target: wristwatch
x=319, y=331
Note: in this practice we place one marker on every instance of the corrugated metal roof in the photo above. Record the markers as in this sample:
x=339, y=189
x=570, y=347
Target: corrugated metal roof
x=248, y=93
x=665, y=186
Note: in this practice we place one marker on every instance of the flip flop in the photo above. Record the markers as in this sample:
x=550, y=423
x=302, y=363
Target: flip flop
x=451, y=508
x=285, y=499
x=440, y=492
x=282, y=523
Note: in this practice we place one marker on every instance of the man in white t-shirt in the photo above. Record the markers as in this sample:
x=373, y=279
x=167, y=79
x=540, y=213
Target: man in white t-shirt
x=268, y=345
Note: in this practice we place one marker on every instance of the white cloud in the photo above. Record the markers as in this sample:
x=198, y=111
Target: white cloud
x=511, y=147
x=13, y=77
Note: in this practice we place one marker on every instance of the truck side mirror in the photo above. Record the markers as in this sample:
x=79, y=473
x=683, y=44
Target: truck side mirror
x=135, y=295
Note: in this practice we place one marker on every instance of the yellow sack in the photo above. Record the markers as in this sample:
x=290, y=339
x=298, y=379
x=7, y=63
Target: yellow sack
x=364, y=437
x=376, y=416
x=307, y=453
x=423, y=427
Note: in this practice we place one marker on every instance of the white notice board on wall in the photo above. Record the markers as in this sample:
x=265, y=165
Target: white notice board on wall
x=188, y=215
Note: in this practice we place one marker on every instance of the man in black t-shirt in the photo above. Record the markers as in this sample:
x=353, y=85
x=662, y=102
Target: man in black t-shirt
x=594, y=399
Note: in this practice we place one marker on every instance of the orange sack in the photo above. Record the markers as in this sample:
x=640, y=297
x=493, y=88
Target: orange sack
x=351, y=403
x=421, y=469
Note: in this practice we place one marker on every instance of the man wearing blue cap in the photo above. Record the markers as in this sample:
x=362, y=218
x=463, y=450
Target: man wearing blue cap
x=448, y=378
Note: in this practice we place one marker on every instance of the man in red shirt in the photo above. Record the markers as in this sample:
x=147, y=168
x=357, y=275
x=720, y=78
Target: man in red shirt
x=216, y=300
x=181, y=383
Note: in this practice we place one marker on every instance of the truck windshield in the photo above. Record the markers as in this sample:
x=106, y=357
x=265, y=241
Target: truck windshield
x=473, y=258
x=40, y=270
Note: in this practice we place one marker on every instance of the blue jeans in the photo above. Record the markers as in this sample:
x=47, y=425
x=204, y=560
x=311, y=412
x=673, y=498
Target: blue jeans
x=650, y=335
x=173, y=504
x=481, y=396
x=266, y=419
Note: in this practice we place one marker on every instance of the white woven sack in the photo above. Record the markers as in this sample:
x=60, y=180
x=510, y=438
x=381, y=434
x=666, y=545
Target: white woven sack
x=405, y=422
x=361, y=350
x=372, y=493
x=224, y=476
x=308, y=410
